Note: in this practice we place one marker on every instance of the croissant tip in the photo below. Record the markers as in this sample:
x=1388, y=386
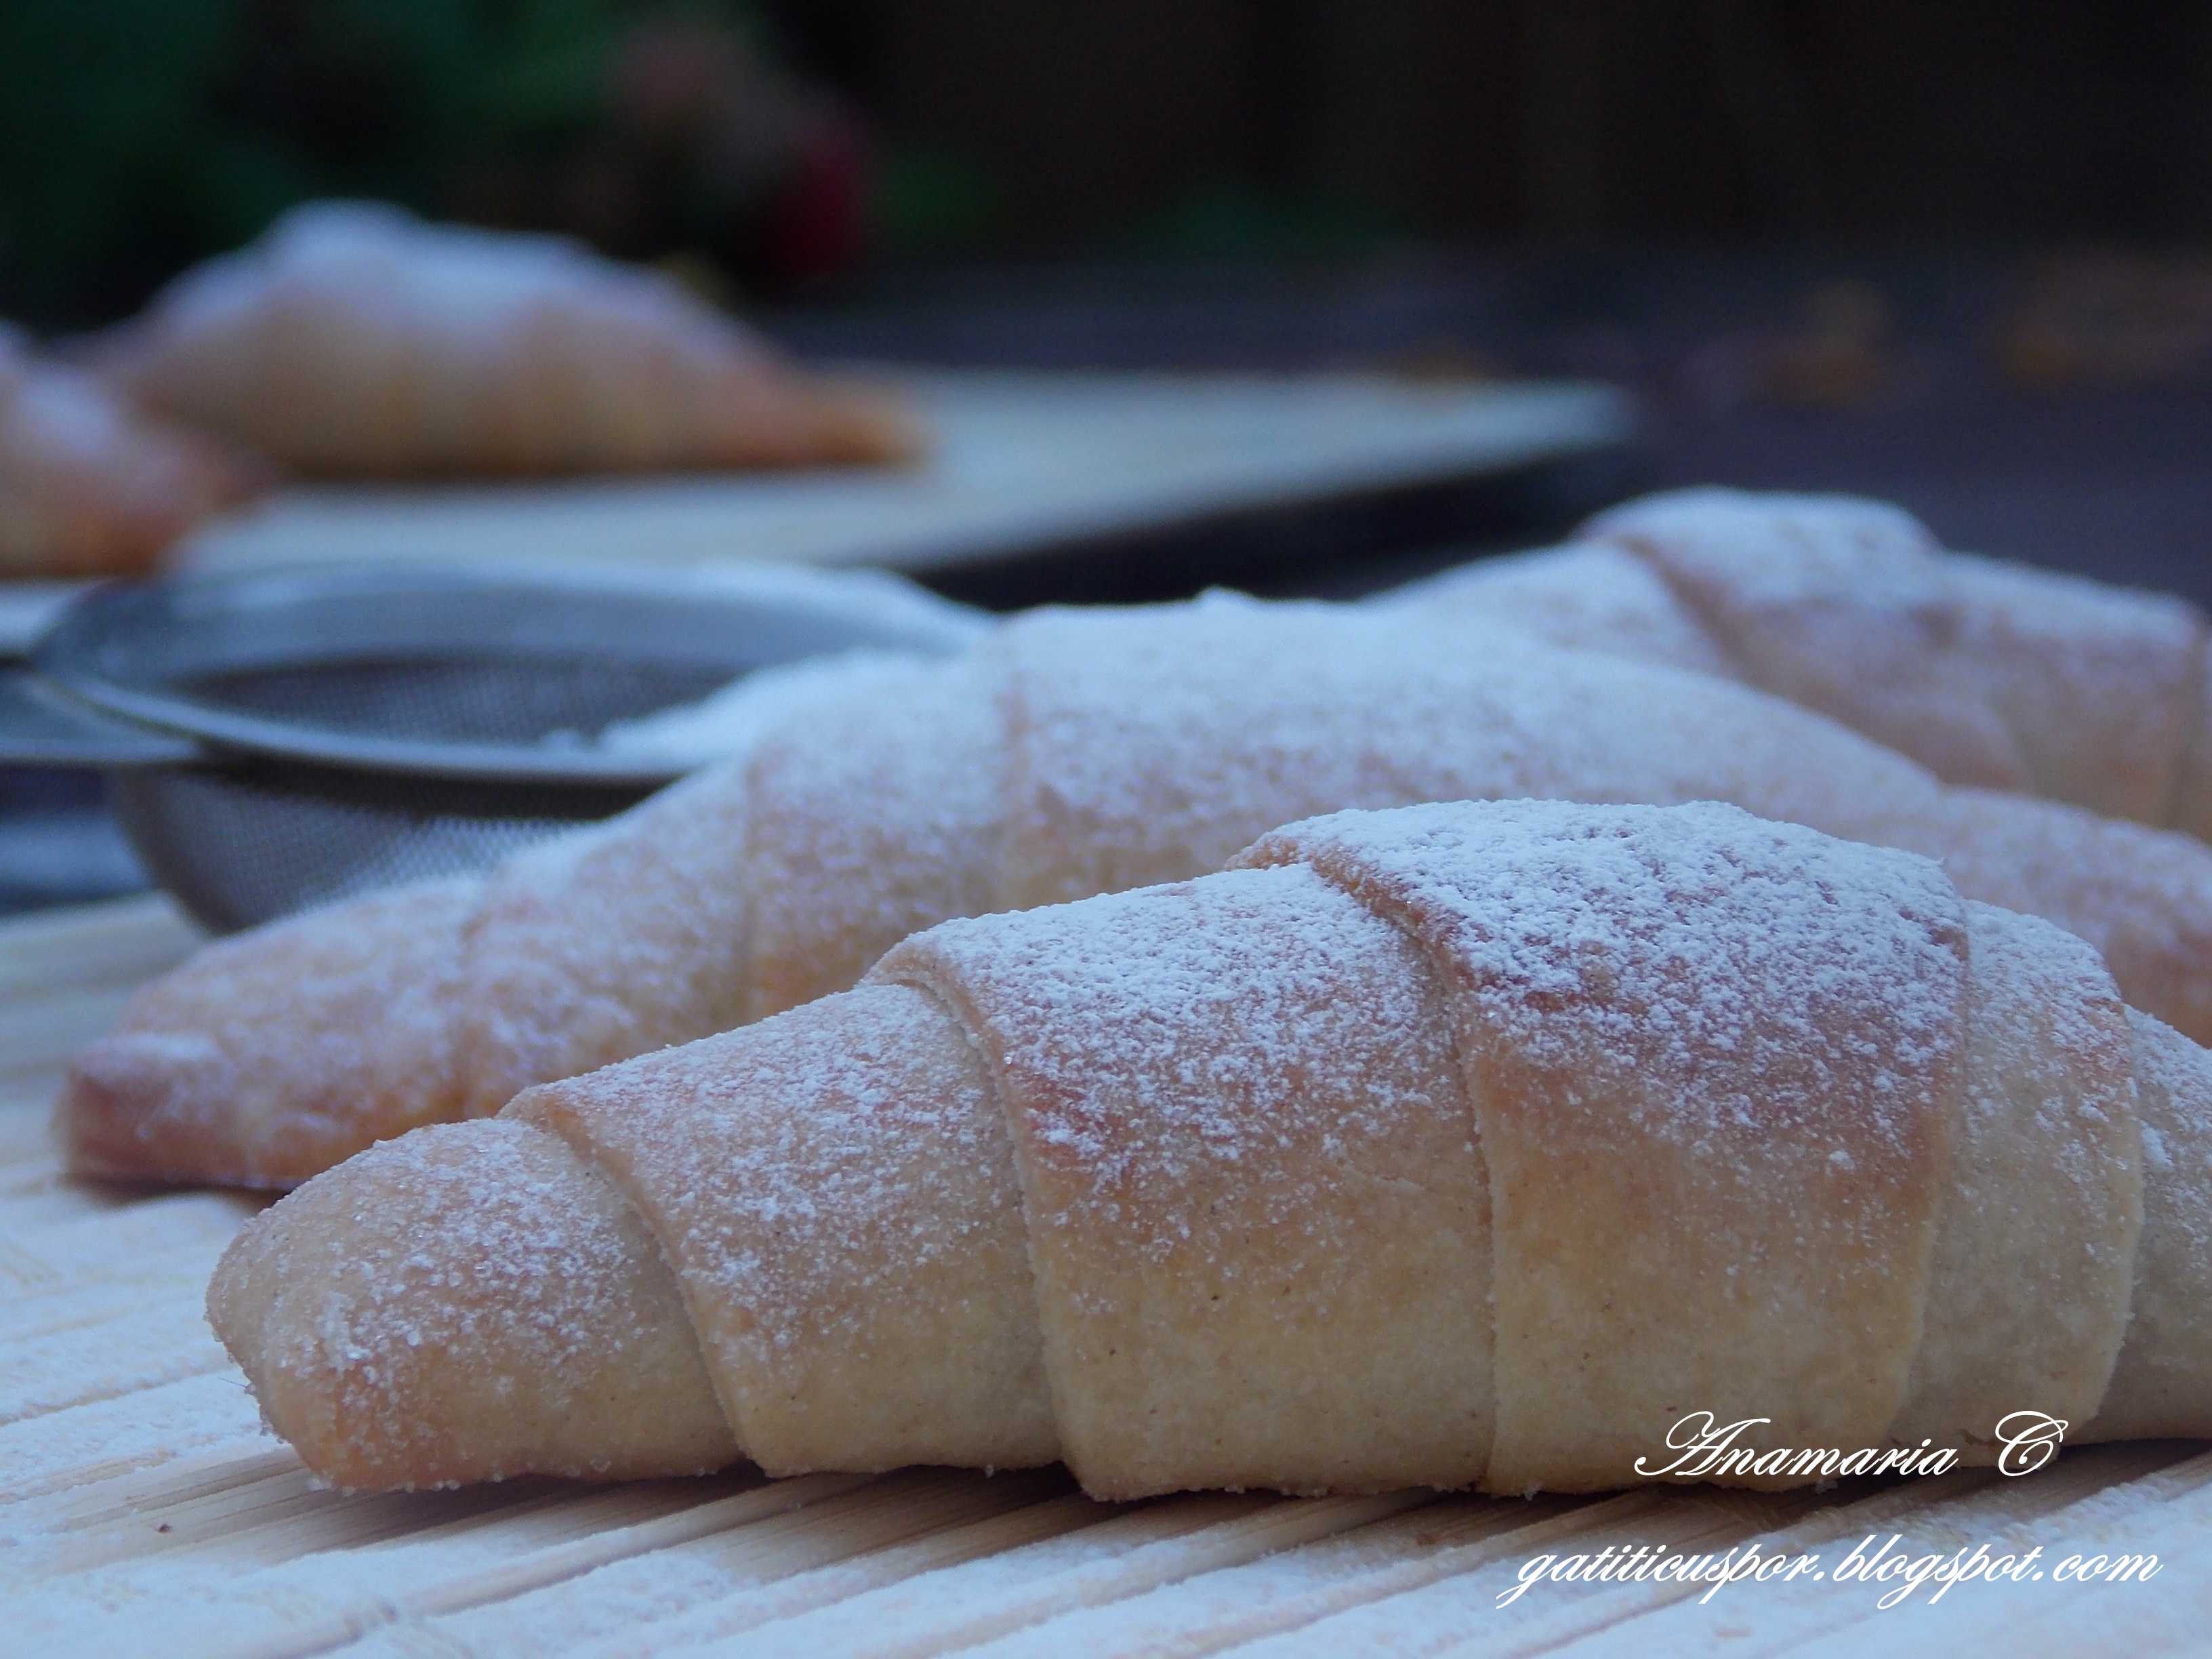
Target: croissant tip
x=295, y=1403
x=420, y=1317
x=120, y=1112
x=154, y=1106
x=866, y=423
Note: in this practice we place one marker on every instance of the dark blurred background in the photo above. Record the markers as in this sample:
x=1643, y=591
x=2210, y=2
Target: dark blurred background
x=794, y=144
x=1952, y=254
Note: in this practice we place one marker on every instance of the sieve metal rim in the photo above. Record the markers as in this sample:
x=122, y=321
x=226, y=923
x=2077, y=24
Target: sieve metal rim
x=127, y=627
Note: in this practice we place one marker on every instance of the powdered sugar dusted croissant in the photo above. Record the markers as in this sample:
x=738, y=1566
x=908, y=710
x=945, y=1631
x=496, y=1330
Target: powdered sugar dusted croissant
x=1069, y=753
x=1989, y=674
x=354, y=339
x=88, y=486
x=1468, y=1144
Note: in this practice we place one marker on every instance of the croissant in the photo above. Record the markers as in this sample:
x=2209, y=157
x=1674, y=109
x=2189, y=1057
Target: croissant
x=1457, y=1145
x=355, y=339
x=1988, y=673
x=1069, y=753
x=87, y=486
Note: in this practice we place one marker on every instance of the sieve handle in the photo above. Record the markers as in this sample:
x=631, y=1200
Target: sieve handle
x=42, y=727
x=25, y=608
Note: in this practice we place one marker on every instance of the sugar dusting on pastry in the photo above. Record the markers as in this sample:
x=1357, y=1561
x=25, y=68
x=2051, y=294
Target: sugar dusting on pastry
x=1098, y=997
x=521, y=1295
x=1149, y=745
x=202, y=1075
x=1072, y=752
x=355, y=339
x=1673, y=935
x=1586, y=595
x=836, y=1188
x=2160, y=1381
x=1991, y=673
x=1534, y=1072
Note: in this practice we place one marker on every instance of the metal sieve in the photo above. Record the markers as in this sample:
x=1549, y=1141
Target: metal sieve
x=278, y=740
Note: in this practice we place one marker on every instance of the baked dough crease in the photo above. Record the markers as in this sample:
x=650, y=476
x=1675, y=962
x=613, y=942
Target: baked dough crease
x=1069, y=753
x=355, y=340
x=1462, y=1145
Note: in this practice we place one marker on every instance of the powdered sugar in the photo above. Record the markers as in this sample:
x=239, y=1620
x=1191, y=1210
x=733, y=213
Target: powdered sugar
x=1668, y=1020
x=354, y=338
x=1992, y=674
x=208, y=1075
x=1150, y=1026
x=1076, y=752
x=1593, y=596
x=1244, y=1158
x=1148, y=746
x=461, y=280
x=735, y=719
x=876, y=814
x=2042, y=1194
x=834, y=1185
x=2158, y=1387
x=1674, y=936
x=1784, y=548
x=517, y=1320
x=1303, y=1176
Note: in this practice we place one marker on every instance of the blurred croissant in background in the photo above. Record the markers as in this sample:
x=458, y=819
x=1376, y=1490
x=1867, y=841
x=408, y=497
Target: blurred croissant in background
x=88, y=485
x=355, y=339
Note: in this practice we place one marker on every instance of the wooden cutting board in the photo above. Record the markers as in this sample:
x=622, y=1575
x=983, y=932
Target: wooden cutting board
x=143, y=1510
x=1024, y=464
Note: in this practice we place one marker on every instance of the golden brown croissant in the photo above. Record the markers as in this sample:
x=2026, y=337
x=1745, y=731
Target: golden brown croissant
x=354, y=339
x=1474, y=1144
x=1988, y=673
x=89, y=486
x=1069, y=753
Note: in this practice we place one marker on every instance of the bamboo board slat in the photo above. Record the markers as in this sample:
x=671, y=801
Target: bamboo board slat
x=145, y=1509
